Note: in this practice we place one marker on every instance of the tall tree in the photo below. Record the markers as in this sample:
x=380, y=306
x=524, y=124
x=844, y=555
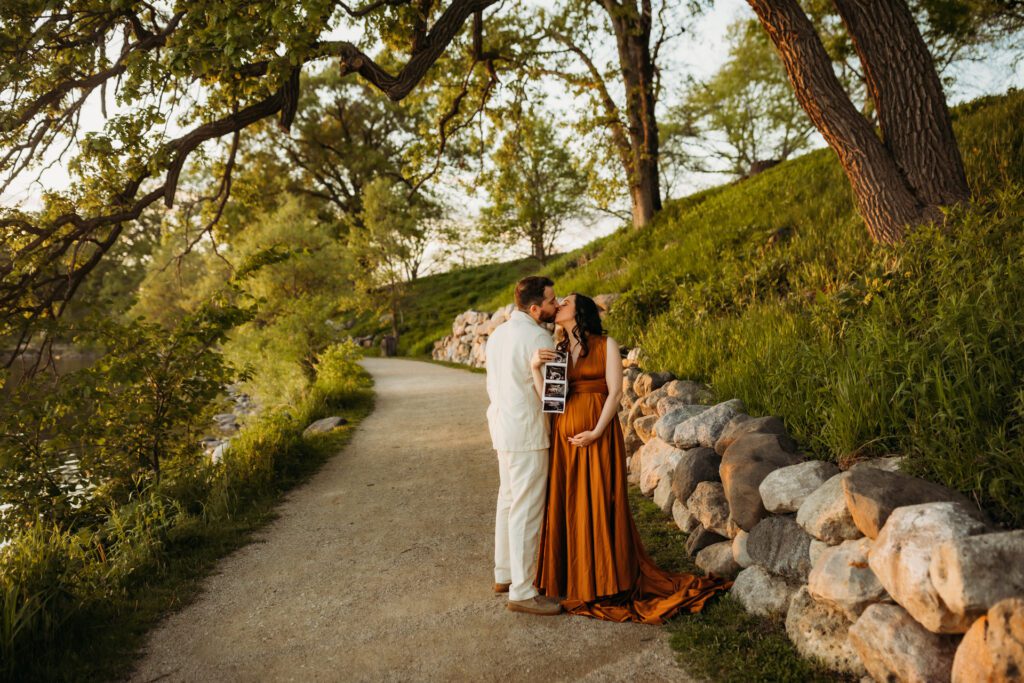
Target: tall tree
x=534, y=187
x=906, y=177
x=245, y=63
x=632, y=127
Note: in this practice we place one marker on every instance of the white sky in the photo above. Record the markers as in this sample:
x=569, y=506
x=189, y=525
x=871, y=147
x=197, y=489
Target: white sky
x=699, y=53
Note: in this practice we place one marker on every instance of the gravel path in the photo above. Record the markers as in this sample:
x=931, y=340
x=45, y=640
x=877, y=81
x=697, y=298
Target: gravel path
x=380, y=569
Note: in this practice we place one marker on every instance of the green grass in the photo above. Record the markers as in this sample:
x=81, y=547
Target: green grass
x=102, y=641
x=770, y=291
x=77, y=604
x=723, y=642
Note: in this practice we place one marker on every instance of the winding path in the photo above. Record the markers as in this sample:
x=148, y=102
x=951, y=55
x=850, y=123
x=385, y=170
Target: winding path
x=380, y=569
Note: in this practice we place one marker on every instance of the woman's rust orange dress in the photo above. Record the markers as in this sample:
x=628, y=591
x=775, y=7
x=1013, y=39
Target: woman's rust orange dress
x=590, y=552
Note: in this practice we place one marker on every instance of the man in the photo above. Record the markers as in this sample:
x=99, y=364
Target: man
x=519, y=432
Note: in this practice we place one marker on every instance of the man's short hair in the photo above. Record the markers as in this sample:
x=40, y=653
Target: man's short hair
x=530, y=291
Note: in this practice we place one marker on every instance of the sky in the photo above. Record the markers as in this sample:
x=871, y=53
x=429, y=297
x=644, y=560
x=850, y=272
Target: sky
x=699, y=53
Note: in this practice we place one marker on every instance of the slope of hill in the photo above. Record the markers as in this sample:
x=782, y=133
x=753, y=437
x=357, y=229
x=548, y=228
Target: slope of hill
x=770, y=291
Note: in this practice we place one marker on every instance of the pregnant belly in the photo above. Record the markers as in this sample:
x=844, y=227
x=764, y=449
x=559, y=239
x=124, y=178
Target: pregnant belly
x=582, y=412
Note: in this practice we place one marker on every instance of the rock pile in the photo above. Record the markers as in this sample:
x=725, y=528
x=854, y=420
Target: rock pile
x=876, y=572
x=468, y=340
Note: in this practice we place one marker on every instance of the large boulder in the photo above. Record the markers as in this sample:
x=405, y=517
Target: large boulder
x=669, y=403
x=649, y=381
x=653, y=458
x=821, y=633
x=705, y=428
x=717, y=559
x=972, y=573
x=684, y=519
x=873, y=493
x=762, y=593
x=689, y=392
x=785, y=489
x=745, y=464
x=644, y=427
x=709, y=506
x=739, y=549
x=901, y=558
x=663, y=496
x=894, y=647
x=744, y=424
x=824, y=514
x=701, y=538
x=696, y=465
x=779, y=545
x=993, y=648
x=842, y=579
x=667, y=423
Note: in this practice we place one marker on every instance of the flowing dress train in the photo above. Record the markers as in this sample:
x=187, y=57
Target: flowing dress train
x=590, y=553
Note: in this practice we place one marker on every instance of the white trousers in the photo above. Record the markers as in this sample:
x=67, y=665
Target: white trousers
x=521, y=495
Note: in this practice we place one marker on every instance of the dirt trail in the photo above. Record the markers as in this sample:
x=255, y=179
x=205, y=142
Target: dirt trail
x=380, y=569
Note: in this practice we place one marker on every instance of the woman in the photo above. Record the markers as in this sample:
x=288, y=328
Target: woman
x=591, y=556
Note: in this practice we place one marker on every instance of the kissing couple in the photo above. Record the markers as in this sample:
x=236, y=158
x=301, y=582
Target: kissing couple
x=564, y=536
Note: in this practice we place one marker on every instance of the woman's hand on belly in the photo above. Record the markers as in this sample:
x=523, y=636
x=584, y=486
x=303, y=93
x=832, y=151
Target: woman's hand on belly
x=584, y=439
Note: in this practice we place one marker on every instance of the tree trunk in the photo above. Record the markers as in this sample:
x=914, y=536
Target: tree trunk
x=537, y=243
x=885, y=197
x=632, y=37
x=908, y=97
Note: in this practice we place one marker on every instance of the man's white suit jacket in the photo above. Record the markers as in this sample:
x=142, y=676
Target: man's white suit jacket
x=514, y=416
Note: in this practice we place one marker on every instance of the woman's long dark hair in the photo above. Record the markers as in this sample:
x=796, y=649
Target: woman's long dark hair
x=588, y=322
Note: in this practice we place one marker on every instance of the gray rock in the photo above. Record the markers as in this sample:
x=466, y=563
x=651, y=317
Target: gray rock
x=816, y=549
x=327, y=424
x=779, y=545
x=705, y=428
x=822, y=633
x=649, y=381
x=696, y=465
x=669, y=403
x=663, y=496
x=901, y=559
x=684, y=519
x=744, y=466
x=824, y=514
x=894, y=647
x=972, y=573
x=644, y=427
x=717, y=559
x=650, y=402
x=785, y=489
x=654, y=457
x=872, y=494
x=708, y=504
x=762, y=593
x=701, y=538
x=842, y=579
x=667, y=423
x=744, y=424
x=689, y=392
x=739, y=549
x=993, y=648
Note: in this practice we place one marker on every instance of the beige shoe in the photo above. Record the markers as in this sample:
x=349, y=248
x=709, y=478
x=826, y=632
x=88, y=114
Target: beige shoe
x=502, y=587
x=538, y=604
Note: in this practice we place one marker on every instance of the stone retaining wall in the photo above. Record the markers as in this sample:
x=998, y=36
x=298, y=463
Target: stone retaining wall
x=876, y=573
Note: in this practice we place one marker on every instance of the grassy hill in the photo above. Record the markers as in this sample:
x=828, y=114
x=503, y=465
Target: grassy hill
x=770, y=290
